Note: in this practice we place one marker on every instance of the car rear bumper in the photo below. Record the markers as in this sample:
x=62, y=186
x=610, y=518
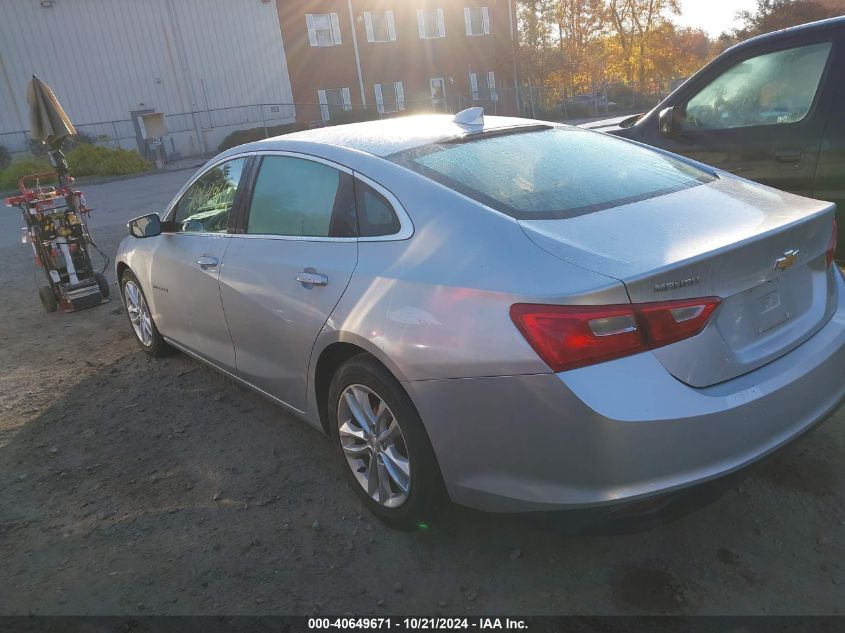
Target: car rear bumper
x=621, y=431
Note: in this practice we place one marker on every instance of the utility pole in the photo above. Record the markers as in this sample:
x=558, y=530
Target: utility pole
x=514, y=52
x=357, y=56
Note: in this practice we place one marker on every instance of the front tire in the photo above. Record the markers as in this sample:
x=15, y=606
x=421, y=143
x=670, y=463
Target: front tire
x=383, y=444
x=140, y=318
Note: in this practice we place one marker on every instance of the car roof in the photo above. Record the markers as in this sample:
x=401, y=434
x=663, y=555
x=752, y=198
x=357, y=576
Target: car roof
x=389, y=136
x=793, y=31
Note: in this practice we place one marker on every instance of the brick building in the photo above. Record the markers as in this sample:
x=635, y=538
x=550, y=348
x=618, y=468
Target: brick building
x=398, y=55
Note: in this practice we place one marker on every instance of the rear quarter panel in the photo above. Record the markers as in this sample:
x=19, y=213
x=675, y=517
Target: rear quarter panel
x=436, y=305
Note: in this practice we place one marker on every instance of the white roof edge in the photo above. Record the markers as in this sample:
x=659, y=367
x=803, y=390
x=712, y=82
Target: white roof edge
x=388, y=136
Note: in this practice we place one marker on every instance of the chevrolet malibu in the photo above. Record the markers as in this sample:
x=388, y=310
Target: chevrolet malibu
x=511, y=314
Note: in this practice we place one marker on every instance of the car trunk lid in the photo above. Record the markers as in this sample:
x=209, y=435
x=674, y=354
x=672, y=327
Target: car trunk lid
x=760, y=250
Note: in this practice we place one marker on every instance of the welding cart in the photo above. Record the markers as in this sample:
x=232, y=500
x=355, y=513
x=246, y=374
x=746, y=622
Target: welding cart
x=55, y=217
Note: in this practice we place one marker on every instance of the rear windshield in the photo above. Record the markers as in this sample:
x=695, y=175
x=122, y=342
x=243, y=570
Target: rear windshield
x=552, y=173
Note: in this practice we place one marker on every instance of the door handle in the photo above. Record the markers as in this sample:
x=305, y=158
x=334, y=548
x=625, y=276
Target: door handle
x=207, y=262
x=308, y=279
x=789, y=157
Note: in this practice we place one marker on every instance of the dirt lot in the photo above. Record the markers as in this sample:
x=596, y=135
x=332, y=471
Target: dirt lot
x=131, y=485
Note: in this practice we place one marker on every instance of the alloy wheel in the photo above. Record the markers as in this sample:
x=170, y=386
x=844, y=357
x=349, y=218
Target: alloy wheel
x=139, y=313
x=374, y=446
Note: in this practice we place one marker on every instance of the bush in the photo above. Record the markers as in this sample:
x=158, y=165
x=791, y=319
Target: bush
x=123, y=161
x=9, y=176
x=93, y=160
x=5, y=157
x=84, y=160
x=240, y=137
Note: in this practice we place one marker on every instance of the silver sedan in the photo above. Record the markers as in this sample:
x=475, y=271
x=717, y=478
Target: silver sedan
x=511, y=314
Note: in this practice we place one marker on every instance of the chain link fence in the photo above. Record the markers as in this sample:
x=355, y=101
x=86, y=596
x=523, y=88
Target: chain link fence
x=188, y=134
x=610, y=100
x=205, y=132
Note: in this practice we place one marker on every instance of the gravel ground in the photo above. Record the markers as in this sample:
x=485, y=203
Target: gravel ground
x=138, y=486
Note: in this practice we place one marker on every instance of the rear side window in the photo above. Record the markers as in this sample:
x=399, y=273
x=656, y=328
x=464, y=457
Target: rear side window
x=552, y=173
x=376, y=216
x=769, y=89
x=298, y=197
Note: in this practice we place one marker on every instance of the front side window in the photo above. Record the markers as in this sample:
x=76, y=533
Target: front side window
x=431, y=23
x=380, y=26
x=323, y=29
x=390, y=96
x=297, y=197
x=206, y=205
x=552, y=173
x=769, y=89
x=333, y=101
x=477, y=20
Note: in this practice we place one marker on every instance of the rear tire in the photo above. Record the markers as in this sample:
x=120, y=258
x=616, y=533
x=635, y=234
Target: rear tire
x=140, y=317
x=103, y=285
x=48, y=298
x=406, y=500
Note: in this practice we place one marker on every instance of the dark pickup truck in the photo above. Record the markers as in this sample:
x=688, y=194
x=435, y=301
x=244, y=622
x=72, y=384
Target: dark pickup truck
x=771, y=109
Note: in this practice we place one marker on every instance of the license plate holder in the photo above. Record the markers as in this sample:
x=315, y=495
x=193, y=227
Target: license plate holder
x=770, y=308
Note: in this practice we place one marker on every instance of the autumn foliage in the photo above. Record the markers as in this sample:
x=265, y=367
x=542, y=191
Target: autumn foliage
x=580, y=46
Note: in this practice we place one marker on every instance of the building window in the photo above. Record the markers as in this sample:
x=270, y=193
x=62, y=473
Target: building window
x=333, y=101
x=431, y=23
x=380, y=26
x=323, y=29
x=390, y=96
x=477, y=20
x=483, y=86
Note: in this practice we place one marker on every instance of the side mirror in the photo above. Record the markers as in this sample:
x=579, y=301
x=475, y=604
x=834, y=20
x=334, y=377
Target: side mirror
x=669, y=121
x=145, y=226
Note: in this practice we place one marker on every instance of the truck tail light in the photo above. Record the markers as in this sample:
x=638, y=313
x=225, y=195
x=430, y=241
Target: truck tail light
x=566, y=337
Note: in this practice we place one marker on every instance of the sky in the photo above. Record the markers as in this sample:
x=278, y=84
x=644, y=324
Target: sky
x=714, y=16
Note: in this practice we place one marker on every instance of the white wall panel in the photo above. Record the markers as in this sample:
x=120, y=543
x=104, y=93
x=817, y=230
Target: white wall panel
x=105, y=58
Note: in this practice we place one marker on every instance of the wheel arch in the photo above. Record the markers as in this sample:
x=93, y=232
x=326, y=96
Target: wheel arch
x=331, y=351
x=120, y=268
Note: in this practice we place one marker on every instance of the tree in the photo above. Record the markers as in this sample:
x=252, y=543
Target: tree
x=772, y=15
x=571, y=46
x=534, y=37
x=578, y=24
x=635, y=22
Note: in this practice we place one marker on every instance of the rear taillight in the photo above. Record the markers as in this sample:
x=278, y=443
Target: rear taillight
x=566, y=337
x=831, y=245
x=672, y=321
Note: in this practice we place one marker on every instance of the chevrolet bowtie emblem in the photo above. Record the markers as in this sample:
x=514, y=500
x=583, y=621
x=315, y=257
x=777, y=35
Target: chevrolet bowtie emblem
x=787, y=260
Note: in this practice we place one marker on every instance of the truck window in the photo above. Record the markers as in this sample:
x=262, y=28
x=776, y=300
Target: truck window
x=769, y=89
